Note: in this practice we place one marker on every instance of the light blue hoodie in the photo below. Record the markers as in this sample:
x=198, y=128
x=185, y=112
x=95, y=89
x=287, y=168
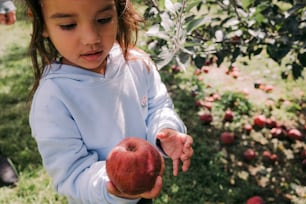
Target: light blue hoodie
x=78, y=116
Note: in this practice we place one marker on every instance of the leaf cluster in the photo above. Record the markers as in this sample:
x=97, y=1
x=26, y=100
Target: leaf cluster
x=185, y=32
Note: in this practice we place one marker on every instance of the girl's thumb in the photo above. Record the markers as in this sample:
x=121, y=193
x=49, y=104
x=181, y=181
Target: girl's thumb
x=162, y=135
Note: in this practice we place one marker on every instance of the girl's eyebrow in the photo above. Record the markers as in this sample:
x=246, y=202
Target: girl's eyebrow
x=67, y=15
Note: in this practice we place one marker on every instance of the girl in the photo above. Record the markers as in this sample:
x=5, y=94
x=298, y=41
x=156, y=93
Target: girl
x=92, y=89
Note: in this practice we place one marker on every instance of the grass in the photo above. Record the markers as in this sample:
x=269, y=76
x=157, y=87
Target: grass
x=218, y=174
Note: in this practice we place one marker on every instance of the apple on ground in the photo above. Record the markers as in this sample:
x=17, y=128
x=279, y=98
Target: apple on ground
x=199, y=103
x=205, y=69
x=216, y=96
x=259, y=121
x=176, y=69
x=255, y=200
x=266, y=155
x=295, y=134
x=133, y=166
x=208, y=105
x=227, y=138
x=197, y=72
x=247, y=128
x=206, y=118
x=273, y=157
x=249, y=154
x=276, y=132
x=271, y=123
x=228, y=116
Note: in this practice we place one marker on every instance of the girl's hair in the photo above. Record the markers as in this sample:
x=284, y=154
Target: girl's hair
x=42, y=51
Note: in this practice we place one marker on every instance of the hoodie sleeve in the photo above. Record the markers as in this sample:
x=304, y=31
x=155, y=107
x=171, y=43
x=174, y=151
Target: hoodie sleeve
x=161, y=112
x=76, y=171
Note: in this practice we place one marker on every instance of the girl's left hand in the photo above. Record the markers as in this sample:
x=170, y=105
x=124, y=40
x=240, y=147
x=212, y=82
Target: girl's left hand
x=178, y=147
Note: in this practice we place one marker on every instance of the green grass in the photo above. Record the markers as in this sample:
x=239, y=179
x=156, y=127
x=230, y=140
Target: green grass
x=217, y=174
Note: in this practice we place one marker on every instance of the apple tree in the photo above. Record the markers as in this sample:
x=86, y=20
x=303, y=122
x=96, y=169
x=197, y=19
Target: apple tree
x=185, y=32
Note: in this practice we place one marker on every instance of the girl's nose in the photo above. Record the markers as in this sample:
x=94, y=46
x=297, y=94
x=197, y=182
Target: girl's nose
x=90, y=35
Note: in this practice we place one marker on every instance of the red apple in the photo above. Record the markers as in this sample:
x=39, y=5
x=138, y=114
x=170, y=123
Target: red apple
x=295, y=134
x=266, y=155
x=273, y=157
x=249, y=154
x=259, y=121
x=227, y=138
x=197, y=72
x=176, y=69
x=199, y=103
x=216, y=96
x=205, y=69
x=255, y=200
x=133, y=165
x=206, y=118
x=228, y=116
x=208, y=105
x=248, y=128
x=276, y=132
x=271, y=123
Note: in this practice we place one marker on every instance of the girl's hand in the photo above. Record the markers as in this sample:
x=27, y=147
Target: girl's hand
x=178, y=147
x=153, y=193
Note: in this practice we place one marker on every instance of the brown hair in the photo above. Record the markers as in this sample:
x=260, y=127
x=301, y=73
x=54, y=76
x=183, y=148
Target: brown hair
x=42, y=51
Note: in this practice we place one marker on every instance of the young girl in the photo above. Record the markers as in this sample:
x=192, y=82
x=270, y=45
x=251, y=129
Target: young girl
x=93, y=88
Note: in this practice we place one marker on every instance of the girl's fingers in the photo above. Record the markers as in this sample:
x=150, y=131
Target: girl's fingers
x=176, y=163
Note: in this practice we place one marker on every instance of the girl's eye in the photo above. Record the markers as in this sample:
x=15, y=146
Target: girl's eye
x=104, y=20
x=68, y=26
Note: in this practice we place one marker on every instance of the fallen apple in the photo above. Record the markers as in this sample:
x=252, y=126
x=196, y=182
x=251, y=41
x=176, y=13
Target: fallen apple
x=266, y=155
x=259, y=121
x=276, y=132
x=271, y=123
x=228, y=116
x=133, y=166
x=227, y=138
x=206, y=118
x=255, y=200
x=247, y=128
x=295, y=134
x=249, y=154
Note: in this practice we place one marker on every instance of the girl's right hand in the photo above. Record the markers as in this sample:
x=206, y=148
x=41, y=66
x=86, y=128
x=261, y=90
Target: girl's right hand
x=153, y=193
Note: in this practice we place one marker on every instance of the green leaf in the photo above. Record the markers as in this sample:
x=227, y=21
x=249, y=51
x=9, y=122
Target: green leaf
x=196, y=23
x=246, y=4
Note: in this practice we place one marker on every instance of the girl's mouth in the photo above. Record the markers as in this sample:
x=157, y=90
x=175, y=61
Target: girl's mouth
x=92, y=56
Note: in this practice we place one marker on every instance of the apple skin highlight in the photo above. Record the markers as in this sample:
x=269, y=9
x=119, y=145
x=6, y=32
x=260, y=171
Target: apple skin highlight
x=133, y=166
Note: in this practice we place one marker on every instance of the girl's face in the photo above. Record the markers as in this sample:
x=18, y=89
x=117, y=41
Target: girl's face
x=83, y=32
